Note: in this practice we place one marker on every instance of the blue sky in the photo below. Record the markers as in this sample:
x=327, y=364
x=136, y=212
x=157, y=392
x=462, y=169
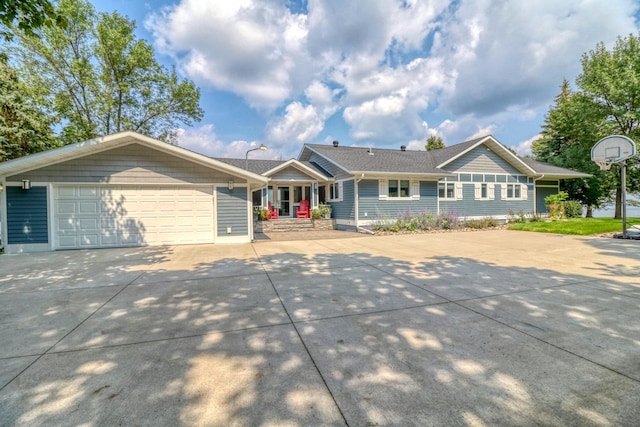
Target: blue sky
x=379, y=73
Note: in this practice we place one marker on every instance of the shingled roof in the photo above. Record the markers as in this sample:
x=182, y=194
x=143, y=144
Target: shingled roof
x=357, y=160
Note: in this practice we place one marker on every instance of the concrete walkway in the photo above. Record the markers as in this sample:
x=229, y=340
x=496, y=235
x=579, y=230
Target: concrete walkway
x=469, y=328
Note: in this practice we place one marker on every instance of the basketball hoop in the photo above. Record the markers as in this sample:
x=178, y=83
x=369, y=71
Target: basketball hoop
x=604, y=164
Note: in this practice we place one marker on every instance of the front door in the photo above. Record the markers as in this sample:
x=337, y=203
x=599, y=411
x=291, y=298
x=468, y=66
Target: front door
x=284, y=204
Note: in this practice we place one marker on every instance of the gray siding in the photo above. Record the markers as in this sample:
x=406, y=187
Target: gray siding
x=27, y=219
x=468, y=206
x=133, y=163
x=328, y=166
x=481, y=160
x=345, y=208
x=291, y=174
x=541, y=193
x=232, y=211
x=376, y=209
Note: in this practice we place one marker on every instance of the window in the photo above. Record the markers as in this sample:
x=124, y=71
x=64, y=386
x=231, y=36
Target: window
x=399, y=188
x=335, y=191
x=446, y=190
x=389, y=189
x=485, y=191
x=514, y=191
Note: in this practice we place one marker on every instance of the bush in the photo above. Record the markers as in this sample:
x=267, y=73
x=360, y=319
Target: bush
x=572, y=209
x=555, y=204
x=424, y=221
x=481, y=223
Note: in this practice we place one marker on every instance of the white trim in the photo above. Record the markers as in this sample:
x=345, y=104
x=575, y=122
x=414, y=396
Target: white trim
x=493, y=144
x=300, y=167
x=97, y=145
x=305, y=146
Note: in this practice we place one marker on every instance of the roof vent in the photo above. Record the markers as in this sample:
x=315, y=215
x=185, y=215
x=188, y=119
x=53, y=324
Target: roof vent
x=335, y=143
x=403, y=148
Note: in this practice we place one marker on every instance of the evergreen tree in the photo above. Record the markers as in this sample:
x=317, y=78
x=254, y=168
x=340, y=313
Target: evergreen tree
x=434, y=143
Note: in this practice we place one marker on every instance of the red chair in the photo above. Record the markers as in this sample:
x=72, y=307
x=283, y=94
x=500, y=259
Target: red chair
x=273, y=212
x=303, y=210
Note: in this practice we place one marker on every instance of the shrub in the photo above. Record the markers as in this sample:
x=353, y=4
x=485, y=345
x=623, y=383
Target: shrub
x=516, y=218
x=481, y=223
x=572, y=209
x=555, y=204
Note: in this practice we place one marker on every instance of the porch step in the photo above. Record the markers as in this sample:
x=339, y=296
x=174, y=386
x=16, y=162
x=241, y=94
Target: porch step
x=289, y=224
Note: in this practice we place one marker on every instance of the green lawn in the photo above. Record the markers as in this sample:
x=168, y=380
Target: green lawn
x=578, y=226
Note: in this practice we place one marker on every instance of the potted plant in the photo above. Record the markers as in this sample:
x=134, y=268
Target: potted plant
x=264, y=214
x=325, y=210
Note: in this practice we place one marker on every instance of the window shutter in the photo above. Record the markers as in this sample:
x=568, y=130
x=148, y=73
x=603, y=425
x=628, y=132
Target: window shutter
x=340, y=190
x=458, y=191
x=383, y=189
x=503, y=191
x=523, y=191
x=491, y=191
x=478, y=191
x=415, y=190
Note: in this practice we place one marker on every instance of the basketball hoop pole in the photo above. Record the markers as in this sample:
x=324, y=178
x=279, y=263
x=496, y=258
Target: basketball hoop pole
x=623, y=197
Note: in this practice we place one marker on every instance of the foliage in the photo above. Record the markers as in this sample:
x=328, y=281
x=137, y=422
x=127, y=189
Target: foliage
x=515, y=218
x=28, y=16
x=424, y=221
x=24, y=129
x=555, y=204
x=572, y=209
x=434, y=143
x=100, y=79
x=264, y=214
x=322, y=211
x=609, y=80
x=576, y=226
x=481, y=223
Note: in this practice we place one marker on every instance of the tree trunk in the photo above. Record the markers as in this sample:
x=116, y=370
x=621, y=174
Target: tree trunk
x=589, y=213
x=618, y=211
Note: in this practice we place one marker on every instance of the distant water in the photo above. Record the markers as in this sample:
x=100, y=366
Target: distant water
x=609, y=210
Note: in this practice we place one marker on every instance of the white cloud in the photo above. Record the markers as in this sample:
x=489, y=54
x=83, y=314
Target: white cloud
x=524, y=148
x=203, y=140
x=300, y=124
x=388, y=66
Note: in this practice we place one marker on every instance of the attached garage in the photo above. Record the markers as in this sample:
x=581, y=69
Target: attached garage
x=112, y=216
x=123, y=190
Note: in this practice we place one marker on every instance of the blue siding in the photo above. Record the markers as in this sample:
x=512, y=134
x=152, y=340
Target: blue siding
x=481, y=160
x=232, y=211
x=27, y=219
x=345, y=208
x=541, y=193
x=468, y=206
x=383, y=209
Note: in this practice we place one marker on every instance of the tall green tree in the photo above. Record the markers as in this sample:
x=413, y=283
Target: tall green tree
x=100, y=79
x=434, y=143
x=24, y=128
x=572, y=126
x=610, y=80
x=28, y=16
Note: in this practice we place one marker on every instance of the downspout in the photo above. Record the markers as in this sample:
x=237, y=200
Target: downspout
x=535, y=194
x=357, y=205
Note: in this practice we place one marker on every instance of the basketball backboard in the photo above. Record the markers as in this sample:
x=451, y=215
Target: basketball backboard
x=613, y=149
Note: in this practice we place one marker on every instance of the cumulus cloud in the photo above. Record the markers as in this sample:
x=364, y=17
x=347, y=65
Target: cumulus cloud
x=204, y=140
x=524, y=148
x=386, y=67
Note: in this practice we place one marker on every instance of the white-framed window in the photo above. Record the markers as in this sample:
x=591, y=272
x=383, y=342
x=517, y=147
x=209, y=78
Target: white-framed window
x=513, y=192
x=485, y=191
x=450, y=190
x=390, y=189
x=335, y=191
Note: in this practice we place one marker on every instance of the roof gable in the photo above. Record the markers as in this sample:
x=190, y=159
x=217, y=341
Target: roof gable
x=97, y=145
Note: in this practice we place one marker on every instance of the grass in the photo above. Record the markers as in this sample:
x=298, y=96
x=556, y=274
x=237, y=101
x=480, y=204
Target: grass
x=576, y=226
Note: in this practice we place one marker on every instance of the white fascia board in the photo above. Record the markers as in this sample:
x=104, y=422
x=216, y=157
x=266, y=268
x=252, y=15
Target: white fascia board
x=327, y=159
x=96, y=145
x=298, y=165
x=376, y=174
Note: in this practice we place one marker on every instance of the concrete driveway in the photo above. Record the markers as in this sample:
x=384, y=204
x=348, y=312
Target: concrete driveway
x=476, y=328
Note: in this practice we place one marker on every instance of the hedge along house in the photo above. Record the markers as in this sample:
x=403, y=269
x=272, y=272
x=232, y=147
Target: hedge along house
x=124, y=189
x=474, y=179
x=290, y=181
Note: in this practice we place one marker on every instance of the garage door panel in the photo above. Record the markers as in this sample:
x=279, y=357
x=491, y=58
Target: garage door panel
x=132, y=215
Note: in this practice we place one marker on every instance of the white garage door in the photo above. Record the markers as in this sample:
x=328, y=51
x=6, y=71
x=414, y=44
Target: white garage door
x=111, y=216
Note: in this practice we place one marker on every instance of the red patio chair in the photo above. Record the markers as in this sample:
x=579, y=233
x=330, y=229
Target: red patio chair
x=273, y=212
x=303, y=209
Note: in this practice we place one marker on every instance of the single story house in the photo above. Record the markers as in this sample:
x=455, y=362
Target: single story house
x=127, y=189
